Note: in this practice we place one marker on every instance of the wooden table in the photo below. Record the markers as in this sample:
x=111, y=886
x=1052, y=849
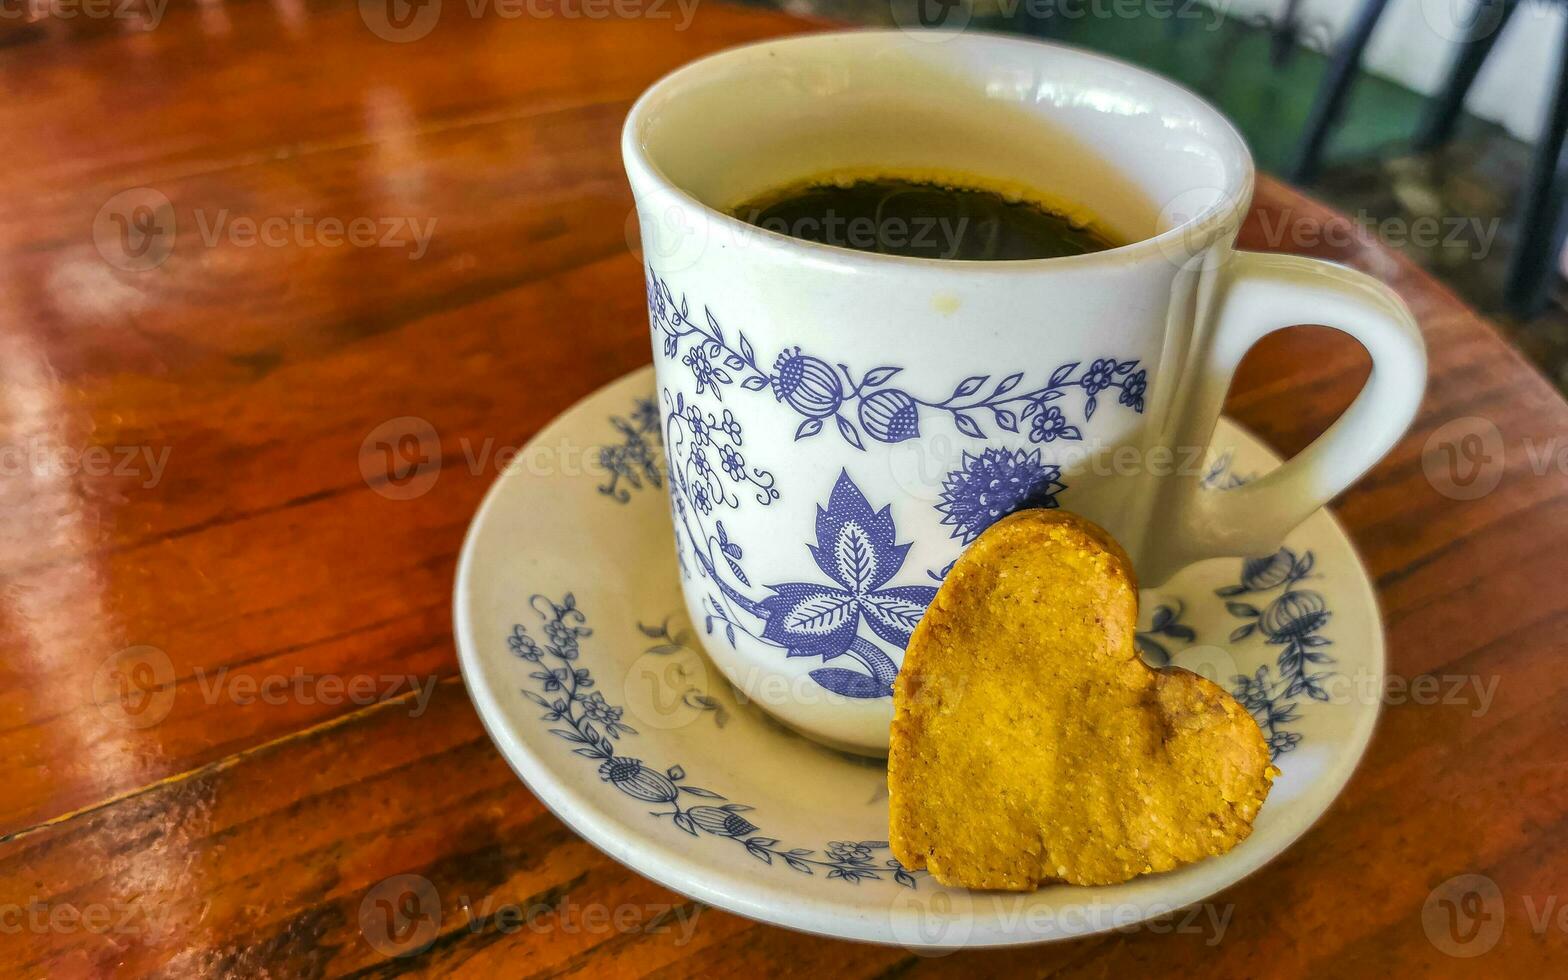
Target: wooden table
x=183, y=481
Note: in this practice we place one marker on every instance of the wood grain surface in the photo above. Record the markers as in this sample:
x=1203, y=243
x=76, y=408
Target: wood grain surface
x=186, y=510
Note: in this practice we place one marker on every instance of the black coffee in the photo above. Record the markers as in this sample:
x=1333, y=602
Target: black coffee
x=923, y=220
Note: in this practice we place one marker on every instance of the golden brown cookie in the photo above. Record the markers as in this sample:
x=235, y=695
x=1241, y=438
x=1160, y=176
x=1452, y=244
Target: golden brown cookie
x=1030, y=742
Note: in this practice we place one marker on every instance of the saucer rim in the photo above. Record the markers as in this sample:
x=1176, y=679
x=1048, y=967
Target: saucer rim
x=672, y=868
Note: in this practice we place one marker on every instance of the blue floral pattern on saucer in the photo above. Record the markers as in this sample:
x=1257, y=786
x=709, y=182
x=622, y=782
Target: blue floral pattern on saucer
x=562, y=687
x=1293, y=619
x=634, y=461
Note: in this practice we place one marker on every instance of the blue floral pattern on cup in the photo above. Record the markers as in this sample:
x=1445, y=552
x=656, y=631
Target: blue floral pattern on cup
x=868, y=404
x=562, y=687
x=856, y=548
x=706, y=456
x=858, y=551
x=994, y=483
x=838, y=618
x=710, y=470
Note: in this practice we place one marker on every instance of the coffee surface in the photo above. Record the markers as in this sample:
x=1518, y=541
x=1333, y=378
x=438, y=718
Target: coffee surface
x=894, y=216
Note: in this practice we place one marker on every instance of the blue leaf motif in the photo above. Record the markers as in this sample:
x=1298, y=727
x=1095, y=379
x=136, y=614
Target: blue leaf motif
x=848, y=505
x=847, y=430
x=857, y=549
x=970, y=385
x=810, y=427
x=849, y=683
x=810, y=620
x=821, y=613
x=967, y=425
x=893, y=613
x=854, y=558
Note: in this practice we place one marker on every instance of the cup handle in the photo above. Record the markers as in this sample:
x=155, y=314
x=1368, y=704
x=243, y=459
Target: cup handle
x=1257, y=294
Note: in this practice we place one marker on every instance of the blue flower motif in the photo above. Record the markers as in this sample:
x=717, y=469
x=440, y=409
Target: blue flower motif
x=1293, y=616
x=600, y=710
x=1166, y=622
x=1133, y=389
x=697, y=425
x=1253, y=692
x=890, y=415
x=733, y=462
x=848, y=850
x=524, y=645
x=730, y=426
x=1283, y=567
x=645, y=415
x=701, y=369
x=564, y=639
x=807, y=384
x=856, y=549
x=700, y=498
x=992, y=485
x=723, y=821
x=1100, y=375
x=1050, y=424
x=636, y=780
x=1282, y=741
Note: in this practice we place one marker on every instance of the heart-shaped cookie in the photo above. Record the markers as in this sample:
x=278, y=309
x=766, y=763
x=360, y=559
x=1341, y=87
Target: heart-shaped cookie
x=1030, y=742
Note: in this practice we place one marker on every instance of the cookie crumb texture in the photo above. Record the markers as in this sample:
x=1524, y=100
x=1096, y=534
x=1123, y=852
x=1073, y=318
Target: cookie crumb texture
x=1031, y=744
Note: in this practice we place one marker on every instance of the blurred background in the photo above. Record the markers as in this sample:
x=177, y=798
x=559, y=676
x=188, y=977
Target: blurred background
x=1436, y=125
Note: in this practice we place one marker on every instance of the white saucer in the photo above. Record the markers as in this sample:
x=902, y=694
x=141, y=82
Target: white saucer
x=568, y=576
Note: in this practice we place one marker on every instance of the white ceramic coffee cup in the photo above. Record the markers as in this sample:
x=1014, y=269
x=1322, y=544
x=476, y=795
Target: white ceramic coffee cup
x=840, y=423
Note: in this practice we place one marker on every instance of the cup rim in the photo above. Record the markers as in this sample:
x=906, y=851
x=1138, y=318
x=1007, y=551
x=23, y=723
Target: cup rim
x=1199, y=231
